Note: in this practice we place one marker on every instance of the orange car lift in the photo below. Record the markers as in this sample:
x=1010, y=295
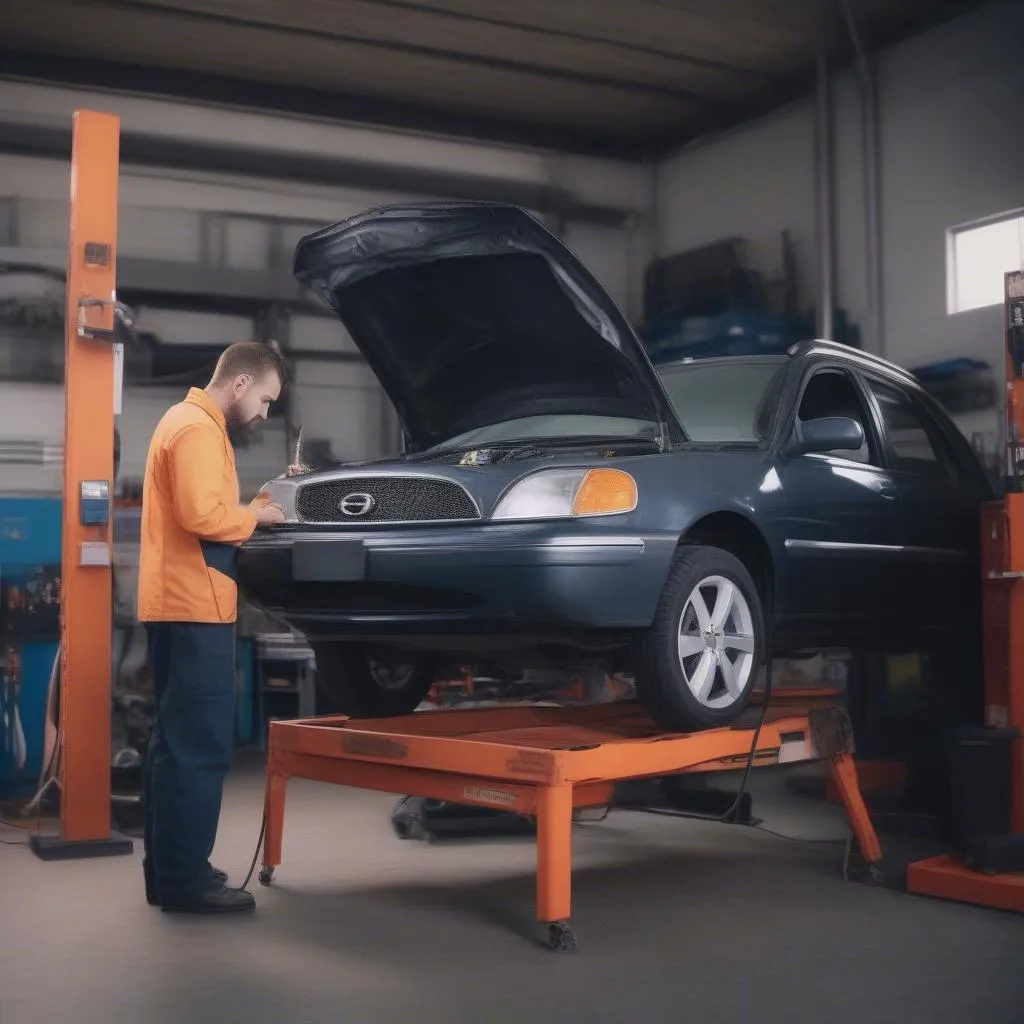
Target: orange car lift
x=86, y=581
x=546, y=762
x=1002, y=557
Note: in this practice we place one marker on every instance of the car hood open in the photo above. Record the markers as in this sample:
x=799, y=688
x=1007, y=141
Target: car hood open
x=472, y=314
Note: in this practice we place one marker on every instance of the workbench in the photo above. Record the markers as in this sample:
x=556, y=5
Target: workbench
x=546, y=762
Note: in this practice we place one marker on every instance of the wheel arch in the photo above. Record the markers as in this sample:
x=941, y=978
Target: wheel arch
x=736, y=533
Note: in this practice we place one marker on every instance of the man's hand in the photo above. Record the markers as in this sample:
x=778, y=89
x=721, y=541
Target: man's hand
x=268, y=514
x=265, y=511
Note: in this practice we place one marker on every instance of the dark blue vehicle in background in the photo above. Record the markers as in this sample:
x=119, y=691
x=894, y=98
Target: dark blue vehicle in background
x=561, y=498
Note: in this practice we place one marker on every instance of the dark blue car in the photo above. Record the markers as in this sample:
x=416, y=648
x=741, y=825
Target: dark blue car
x=561, y=500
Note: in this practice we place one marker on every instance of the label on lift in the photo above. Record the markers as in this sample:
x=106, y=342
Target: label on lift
x=94, y=554
x=489, y=796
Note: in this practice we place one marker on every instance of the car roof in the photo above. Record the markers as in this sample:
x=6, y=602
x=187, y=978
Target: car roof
x=811, y=349
x=846, y=353
x=769, y=360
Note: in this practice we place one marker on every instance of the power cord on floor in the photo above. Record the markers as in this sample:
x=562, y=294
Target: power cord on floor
x=668, y=812
x=256, y=854
x=17, y=828
x=730, y=815
x=834, y=841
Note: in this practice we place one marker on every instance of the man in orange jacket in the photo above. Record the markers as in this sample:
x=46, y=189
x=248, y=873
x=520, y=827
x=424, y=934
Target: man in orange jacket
x=192, y=524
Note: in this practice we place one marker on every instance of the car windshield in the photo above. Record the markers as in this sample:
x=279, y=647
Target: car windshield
x=725, y=401
x=554, y=427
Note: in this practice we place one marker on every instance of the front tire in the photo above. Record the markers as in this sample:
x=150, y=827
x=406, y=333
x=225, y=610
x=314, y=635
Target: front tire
x=698, y=662
x=363, y=682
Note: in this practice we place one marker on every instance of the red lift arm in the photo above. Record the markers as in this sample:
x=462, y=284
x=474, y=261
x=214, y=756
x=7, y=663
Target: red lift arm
x=1002, y=564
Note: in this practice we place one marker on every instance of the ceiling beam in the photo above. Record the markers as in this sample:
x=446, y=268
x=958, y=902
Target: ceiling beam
x=220, y=90
x=515, y=65
x=677, y=56
x=139, y=149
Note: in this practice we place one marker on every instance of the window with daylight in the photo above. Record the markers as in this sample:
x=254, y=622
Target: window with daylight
x=979, y=257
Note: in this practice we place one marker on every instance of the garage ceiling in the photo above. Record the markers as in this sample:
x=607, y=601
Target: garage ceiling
x=628, y=78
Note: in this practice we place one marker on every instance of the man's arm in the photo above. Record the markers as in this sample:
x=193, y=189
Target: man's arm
x=195, y=467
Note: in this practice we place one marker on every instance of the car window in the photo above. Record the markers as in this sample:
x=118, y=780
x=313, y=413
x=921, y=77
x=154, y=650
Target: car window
x=913, y=441
x=832, y=393
x=725, y=401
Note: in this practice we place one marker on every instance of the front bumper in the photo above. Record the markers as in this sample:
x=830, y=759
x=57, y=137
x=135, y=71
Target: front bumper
x=486, y=576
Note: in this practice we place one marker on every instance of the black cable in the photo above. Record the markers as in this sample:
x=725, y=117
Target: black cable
x=16, y=827
x=668, y=812
x=256, y=855
x=798, y=839
x=730, y=814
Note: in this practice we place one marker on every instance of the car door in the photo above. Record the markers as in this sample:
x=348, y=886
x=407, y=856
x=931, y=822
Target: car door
x=941, y=495
x=844, y=521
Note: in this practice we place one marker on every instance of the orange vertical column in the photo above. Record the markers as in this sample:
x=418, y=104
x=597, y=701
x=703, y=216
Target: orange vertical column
x=86, y=582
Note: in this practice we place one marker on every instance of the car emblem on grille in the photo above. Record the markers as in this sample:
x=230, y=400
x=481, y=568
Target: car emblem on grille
x=356, y=504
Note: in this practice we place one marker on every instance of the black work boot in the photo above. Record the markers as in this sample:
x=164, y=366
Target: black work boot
x=217, y=877
x=216, y=898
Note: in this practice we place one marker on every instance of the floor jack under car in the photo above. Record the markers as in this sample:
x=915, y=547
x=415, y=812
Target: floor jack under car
x=542, y=767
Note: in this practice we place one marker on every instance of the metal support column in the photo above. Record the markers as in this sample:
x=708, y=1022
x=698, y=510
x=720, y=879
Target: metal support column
x=86, y=579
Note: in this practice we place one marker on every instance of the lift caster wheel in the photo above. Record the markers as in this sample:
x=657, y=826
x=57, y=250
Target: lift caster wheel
x=561, y=937
x=266, y=876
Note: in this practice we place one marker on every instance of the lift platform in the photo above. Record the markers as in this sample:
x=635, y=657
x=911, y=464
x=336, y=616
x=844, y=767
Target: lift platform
x=546, y=763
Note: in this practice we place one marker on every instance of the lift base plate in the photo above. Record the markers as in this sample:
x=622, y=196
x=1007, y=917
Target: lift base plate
x=948, y=879
x=56, y=848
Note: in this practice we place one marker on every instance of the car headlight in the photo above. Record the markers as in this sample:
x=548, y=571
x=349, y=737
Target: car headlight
x=282, y=491
x=565, y=493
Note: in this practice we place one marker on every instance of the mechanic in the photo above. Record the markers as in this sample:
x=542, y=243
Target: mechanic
x=192, y=524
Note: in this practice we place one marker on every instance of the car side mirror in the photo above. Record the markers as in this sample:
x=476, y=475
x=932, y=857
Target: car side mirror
x=828, y=434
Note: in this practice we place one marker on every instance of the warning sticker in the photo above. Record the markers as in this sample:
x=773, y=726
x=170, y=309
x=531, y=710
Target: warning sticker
x=489, y=796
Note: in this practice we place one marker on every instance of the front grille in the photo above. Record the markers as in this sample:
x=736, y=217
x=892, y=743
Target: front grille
x=396, y=499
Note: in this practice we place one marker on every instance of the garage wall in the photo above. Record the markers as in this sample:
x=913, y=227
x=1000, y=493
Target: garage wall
x=751, y=183
x=180, y=221
x=951, y=152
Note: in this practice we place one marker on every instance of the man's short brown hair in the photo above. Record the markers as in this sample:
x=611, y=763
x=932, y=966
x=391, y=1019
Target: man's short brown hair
x=251, y=357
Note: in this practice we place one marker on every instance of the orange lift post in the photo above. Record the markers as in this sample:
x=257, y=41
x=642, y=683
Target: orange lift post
x=546, y=763
x=86, y=580
x=1002, y=563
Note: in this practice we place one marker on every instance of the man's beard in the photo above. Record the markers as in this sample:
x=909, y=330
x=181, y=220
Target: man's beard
x=240, y=432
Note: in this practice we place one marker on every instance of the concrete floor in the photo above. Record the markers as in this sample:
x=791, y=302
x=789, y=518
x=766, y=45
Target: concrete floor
x=676, y=921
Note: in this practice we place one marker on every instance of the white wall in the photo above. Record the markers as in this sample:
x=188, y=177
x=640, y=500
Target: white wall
x=751, y=183
x=951, y=151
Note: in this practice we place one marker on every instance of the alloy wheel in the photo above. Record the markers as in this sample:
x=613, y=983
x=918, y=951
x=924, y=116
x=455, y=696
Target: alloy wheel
x=716, y=642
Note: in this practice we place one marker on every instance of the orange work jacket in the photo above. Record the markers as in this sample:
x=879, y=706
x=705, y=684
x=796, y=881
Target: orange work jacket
x=192, y=522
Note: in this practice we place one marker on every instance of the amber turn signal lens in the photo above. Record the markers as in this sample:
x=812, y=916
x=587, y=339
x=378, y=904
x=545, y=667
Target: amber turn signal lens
x=604, y=492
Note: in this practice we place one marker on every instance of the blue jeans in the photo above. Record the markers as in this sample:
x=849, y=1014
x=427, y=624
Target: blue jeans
x=189, y=751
